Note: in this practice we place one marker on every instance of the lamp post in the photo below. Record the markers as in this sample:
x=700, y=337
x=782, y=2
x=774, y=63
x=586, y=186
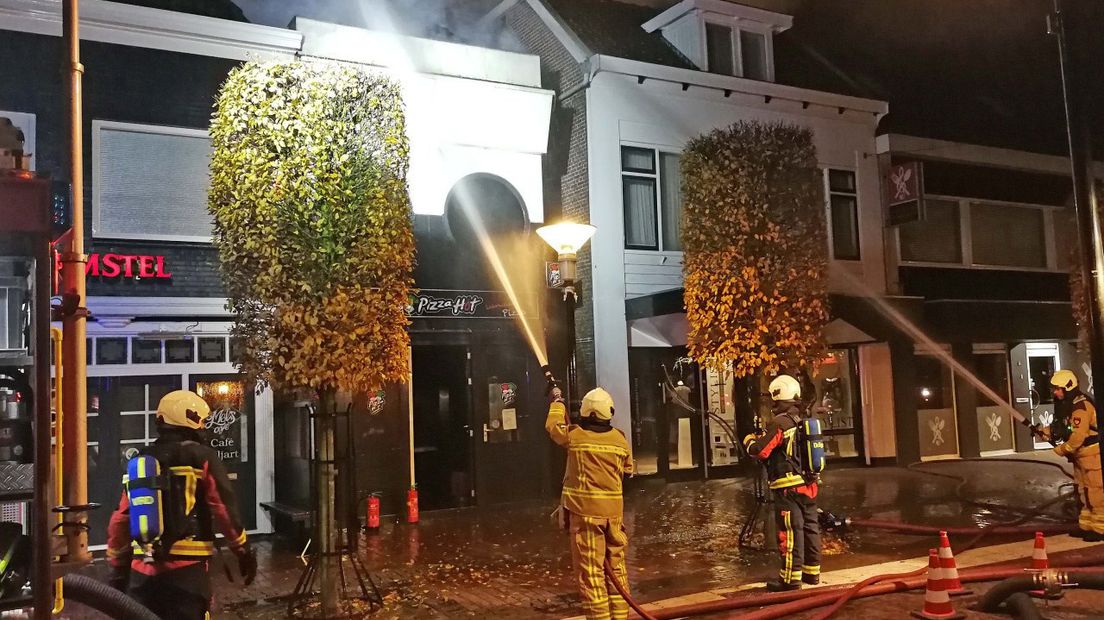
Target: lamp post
x=567, y=239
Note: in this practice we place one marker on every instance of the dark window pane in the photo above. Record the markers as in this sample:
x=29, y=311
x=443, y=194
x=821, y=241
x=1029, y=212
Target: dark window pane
x=935, y=239
x=180, y=351
x=235, y=350
x=934, y=384
x=111, y=350
x=635, y=159
x=1007, y=236
x=88, y=351
x=841, y=181
x=671, y=180
x=845, y=227
x=212, y=349
x=718, y=48
x=753, y=55
x=145, y=351
x=992, y=369
x=132, y=427
x=640, y=213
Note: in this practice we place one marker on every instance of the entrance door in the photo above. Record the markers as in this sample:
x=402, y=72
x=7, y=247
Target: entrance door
x=1042, y=361
x=229, y=431
x=442, y=427
x=837, y=404
x=512, y=446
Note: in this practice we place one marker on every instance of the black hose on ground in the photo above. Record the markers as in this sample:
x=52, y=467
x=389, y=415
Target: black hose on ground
x=104, y=599
x=992, y=600
x=1022, y=607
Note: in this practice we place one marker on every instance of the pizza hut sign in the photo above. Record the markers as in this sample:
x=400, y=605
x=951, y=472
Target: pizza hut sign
x=444, y=304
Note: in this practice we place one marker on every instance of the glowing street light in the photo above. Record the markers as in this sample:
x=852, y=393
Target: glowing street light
x=567, y=239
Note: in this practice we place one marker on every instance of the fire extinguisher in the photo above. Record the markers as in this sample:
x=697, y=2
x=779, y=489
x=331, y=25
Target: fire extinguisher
x=372, y=519
x=412, y=504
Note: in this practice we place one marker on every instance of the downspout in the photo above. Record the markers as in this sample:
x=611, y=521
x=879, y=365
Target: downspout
x=590, y=68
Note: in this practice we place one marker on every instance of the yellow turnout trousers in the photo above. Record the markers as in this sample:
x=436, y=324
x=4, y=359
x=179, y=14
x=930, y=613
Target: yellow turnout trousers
x=592, y=542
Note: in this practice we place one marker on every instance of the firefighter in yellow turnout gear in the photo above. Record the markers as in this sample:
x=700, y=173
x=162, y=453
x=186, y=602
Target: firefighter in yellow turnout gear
x=597, y=459
x=1082, y=448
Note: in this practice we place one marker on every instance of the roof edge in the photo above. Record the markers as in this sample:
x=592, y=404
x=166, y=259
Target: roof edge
x=980, y=154
x=638, y=69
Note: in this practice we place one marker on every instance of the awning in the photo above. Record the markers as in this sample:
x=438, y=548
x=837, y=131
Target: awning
x=659, y=319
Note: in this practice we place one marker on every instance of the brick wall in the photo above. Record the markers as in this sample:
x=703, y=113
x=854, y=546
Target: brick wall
x=566, y=173
x=126, y=84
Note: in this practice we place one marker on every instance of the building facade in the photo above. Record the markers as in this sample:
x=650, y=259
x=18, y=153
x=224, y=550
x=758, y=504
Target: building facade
x=478, y=125
x=636, y=83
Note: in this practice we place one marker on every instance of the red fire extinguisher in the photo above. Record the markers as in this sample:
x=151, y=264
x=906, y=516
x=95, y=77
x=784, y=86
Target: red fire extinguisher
x=412, y=504
x=372, y=521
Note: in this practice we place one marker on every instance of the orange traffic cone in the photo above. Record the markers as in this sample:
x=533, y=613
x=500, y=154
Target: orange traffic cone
x=952, y=584
x=937, y=603
x=1039, y=559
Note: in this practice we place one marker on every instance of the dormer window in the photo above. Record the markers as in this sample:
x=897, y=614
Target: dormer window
x=737, y=51
x=723, y=37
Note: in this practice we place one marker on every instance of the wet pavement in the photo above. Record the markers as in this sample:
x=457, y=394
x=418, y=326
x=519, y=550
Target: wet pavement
x=510, y=562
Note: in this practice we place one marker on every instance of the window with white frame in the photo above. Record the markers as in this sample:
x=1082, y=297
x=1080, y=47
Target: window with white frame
x=972, y=233
x=740, y=51
x=652, y=195
x=843, y=213
x=150, y=182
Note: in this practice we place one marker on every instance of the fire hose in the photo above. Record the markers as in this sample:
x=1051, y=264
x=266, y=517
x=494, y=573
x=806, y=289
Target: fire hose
x=792, y=602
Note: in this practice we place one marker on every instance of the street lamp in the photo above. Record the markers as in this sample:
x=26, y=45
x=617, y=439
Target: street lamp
x=567, y=239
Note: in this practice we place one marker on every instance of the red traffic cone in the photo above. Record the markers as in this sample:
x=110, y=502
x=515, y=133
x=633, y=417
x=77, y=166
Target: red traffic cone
x=952, y=583
x=937, y=603
x=1039, y=559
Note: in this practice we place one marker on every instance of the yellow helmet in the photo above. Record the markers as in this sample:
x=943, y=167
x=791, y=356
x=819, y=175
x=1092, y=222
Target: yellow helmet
x=183, y=408
x=784, y=387
x=1064, y=379
x=598, y=403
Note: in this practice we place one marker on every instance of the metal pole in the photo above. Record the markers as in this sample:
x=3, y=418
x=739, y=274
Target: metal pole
x=1084, y=185
x=569, y=304
x=40, y=529
x=73, y=286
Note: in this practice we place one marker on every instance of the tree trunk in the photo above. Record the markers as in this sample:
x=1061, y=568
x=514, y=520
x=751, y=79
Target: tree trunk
x=327, y=527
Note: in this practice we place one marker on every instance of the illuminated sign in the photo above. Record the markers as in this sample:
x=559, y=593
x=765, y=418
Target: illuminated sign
x=112, y=266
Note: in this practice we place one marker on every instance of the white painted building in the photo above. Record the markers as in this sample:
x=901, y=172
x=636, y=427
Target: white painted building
x=644, y=92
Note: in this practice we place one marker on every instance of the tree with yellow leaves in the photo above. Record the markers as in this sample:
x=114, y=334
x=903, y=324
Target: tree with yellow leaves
x=755, y=249
x=313, y=226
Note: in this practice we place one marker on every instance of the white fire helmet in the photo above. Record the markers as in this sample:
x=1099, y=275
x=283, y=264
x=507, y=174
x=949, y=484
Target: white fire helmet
x=1064, y=379
x=183, y=408
x=598, y=403
x=785, y=387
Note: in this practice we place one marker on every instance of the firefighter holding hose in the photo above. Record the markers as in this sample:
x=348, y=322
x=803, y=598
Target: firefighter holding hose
x=792, y=483
x=1081, y=446
x=591, y=504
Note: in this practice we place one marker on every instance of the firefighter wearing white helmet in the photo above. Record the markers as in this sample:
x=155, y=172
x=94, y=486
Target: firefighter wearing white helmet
x=591, y=503
x=795, y=509
x=1077, y=427
x=199, y=501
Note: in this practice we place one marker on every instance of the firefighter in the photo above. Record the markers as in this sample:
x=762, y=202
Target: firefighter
x=1082, y=448
x=174, y=582
x=598, y=458
x=795, y=509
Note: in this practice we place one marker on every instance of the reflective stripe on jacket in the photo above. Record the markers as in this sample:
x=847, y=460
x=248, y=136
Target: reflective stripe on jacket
x=596, y=463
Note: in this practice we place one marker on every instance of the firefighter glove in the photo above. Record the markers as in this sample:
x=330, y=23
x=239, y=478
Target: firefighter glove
x=120, y=578
x=247, y=563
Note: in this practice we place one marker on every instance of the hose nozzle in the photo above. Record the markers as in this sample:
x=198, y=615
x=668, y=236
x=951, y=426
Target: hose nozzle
x=550, y=380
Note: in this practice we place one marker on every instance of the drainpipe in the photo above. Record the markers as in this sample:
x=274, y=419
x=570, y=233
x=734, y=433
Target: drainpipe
x=74, y=312
x=590, y=68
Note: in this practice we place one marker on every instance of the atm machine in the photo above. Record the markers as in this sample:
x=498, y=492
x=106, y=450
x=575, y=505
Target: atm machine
x=25, y=391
